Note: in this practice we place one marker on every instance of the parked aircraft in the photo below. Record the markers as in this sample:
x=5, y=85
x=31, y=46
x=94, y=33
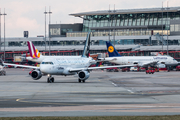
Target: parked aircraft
x=142, y=61
x=66, y=66
x=36, y=56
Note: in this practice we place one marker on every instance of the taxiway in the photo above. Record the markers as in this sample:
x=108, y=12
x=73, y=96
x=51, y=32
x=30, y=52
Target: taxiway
x=103, y=94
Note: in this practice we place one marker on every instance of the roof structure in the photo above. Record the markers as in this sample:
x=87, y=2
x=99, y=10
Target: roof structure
x=127, y=11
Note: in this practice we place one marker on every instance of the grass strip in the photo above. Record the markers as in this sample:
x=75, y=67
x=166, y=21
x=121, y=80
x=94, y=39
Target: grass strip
x=173, y=117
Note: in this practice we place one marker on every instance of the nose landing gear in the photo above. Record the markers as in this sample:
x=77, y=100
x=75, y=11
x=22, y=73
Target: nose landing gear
x=50, y=79
x=81, y=80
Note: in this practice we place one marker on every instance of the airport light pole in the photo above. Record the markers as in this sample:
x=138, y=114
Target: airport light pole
x=167, y=28
x=114, y=23
x=45, y=28
x=109, y=22
x=0, y=29
x=4, y=33
x=49, y=28
x=162, y=26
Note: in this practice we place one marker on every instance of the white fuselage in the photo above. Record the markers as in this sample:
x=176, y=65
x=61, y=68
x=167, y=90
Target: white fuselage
x=61, y=66
x=140, y=60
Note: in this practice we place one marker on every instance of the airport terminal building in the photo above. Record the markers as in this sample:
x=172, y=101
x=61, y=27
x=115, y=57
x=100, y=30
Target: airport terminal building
x=132, y=31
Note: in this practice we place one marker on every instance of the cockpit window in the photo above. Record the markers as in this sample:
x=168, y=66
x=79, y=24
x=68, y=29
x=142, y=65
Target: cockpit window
x=47, y=63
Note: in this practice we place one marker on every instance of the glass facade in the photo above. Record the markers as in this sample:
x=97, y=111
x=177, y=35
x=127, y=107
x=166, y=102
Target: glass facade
x=175, y=27
x=140, y=19
x=125, y=32
x=55, y=31
x=93, y=42
x=129, y=24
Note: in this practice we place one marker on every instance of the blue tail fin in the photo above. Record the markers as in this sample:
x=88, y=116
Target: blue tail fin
x=87, y=46
x=111, y=50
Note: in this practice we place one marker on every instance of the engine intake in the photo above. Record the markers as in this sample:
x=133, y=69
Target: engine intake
x=83, y=75
x=36, y=74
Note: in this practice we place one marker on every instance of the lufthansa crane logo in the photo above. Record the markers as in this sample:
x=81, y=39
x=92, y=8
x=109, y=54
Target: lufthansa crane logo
x=111, y=49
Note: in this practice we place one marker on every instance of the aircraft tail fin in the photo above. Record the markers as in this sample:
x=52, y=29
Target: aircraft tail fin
x=87, y=46
x=111, y=50
x=34, y=53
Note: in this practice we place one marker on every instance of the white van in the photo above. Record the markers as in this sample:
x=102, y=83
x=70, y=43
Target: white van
x=133, y=69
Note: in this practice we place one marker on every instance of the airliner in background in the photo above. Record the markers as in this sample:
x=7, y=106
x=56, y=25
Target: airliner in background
x=36, y=56
x=65, y=65
x=141, y=61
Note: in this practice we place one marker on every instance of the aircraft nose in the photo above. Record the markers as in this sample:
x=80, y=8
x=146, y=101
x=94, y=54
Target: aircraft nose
x=43, y=69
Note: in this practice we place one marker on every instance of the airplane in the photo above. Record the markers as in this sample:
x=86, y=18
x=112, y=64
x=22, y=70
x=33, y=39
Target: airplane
x=36, y=56
x=66, y=66
x=141, y=61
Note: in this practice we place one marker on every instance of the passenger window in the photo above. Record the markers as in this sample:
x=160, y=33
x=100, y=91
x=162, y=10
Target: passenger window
x=51, y=63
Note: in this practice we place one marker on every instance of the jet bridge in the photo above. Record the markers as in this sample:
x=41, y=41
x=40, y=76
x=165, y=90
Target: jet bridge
x=161, y=39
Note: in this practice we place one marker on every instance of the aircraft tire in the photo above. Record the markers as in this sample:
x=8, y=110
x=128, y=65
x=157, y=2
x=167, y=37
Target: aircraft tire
x=83, y=81
x=49, y=80
x=52, y=79
x=79, y=80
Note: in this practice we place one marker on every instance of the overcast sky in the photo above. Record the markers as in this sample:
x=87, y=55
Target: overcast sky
x=28, y=15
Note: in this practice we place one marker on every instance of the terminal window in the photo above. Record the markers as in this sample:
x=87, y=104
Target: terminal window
x=55, y=31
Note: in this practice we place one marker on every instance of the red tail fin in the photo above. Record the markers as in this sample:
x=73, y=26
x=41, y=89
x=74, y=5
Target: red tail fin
x=34, y=53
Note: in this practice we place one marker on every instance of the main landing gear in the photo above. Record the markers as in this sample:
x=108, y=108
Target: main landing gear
x=50, y=79
x=81, y=80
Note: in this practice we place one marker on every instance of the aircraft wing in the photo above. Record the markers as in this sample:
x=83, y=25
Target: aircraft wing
x=92, y=68
x=153, y=63
x=24, y=66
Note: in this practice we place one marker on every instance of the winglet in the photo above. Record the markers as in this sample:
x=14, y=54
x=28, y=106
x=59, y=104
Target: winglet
x=34, y=53
x=87, y=46
x=111, y=50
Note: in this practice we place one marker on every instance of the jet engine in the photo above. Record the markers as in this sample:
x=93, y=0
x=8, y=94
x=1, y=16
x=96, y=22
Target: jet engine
x=36, y=74
x=83, y=75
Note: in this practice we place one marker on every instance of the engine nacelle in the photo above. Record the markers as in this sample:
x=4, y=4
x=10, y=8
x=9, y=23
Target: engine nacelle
x=83, y=75
x=36, y=74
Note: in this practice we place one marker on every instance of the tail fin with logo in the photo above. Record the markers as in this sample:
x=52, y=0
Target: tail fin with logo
x=111, y=50
x=87, y=46
x=34, y=53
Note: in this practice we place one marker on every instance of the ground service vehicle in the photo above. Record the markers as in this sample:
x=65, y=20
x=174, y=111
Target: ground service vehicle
x=178, y=68
x=2, y=71
x=125, y=69
x=150, y=71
